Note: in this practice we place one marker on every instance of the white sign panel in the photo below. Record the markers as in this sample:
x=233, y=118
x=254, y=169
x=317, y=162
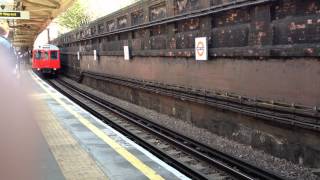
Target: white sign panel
x=95, y=55
x=78, y=54
x=201, y=49
x=14, y=14
x=126, y=52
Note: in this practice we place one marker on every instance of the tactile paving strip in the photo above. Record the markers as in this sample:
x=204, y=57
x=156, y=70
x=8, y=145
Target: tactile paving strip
x=74, y=162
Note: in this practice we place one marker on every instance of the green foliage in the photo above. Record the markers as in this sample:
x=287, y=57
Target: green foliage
x=74, y=17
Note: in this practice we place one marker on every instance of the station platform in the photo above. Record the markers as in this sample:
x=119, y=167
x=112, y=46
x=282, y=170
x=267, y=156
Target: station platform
x=76, y=145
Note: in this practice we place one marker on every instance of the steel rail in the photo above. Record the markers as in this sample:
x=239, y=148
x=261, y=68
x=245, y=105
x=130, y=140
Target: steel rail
x=189, y=145
x=162, y=155
x=304, y=111
x=286, y=118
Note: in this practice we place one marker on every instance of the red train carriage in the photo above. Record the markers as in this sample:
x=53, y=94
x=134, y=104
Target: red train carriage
x=46, y=59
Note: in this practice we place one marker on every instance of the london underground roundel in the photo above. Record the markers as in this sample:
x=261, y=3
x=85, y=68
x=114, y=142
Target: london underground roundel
x=201, y=49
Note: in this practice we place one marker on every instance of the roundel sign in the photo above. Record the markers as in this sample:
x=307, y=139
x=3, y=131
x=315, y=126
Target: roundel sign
x=201, y=49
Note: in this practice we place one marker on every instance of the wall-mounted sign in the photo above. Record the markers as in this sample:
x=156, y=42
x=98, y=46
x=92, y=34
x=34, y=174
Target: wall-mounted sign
x=201, y=49
x=78, y=55
x=95, y=55
x=126, y=53
x=14, y=15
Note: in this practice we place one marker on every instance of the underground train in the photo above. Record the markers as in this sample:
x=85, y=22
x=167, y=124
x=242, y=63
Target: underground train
x=46, y=59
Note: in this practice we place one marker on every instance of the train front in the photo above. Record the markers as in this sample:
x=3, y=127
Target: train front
x=46, y=59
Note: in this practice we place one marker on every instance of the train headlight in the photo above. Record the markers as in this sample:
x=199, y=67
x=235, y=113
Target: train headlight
x=38, y=69
x=54, y=69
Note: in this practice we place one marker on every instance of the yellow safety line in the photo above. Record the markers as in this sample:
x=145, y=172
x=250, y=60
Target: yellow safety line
x=146, y=170
x=80, y=165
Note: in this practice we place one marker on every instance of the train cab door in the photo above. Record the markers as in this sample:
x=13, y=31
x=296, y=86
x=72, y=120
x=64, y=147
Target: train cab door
x=36, y=59
x=45, y=63
x=54, y=59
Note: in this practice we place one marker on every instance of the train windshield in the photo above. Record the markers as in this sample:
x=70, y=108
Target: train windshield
x=37, y=55
x=46, y=55
x=54, y=55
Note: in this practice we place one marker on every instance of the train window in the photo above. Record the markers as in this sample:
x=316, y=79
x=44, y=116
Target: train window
x=46, y=55
x=38, y=55
x=54, y=55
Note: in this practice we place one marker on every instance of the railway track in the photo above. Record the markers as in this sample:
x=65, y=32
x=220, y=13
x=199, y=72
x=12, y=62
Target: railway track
x=288, y=115
x=186, y=155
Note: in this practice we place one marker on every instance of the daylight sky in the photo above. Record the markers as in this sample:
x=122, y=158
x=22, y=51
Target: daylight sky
x=97, y=8
x=6, y=1
x=103, y=7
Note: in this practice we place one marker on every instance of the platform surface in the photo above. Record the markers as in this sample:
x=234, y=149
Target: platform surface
x=83, y=147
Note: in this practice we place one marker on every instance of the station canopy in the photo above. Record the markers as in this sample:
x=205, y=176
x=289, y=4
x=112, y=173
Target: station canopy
x=42, y=12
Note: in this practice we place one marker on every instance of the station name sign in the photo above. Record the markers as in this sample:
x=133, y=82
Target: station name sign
x=14, y=15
